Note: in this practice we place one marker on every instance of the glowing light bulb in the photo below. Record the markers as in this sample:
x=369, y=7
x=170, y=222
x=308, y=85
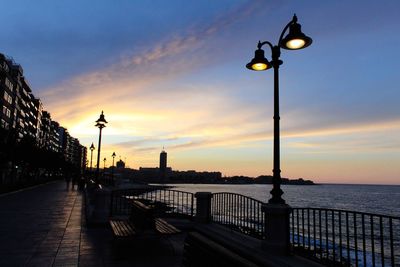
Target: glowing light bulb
x=259, y=66
x=295, y=43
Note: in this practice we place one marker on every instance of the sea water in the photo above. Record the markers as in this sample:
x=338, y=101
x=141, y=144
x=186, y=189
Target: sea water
x=379, y=199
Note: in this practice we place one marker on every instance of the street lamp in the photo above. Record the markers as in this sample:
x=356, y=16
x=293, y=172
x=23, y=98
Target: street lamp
x=112, y=170
x=104, y=165
x=91, y=155
x=100, y=123
x=113, y=156
x=294, y=40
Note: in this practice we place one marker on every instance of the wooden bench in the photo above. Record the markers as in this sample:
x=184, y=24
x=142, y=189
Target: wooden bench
x=122, y=228
x=200, y=250
x=164, y=228
x=141, y=222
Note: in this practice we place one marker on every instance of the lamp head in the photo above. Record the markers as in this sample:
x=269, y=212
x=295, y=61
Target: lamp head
x=113, y=155
x=295, y=39
x=259, y=62
x=101, y=120
x=92, y=147
x=100, y=125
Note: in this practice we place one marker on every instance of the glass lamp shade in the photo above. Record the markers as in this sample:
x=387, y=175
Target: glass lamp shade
x=295, y=38
x=259, y=62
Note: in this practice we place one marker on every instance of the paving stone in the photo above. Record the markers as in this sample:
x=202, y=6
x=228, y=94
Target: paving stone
x=45, y=226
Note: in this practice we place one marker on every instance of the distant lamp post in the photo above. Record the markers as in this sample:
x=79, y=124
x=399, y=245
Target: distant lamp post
x=294, y=40
x=113, y=156
x=91, y=155
x=112, y=170
x=100, y=123
x=104, y=165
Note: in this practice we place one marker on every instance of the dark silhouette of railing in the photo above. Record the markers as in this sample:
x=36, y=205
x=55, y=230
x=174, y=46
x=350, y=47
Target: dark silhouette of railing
x=166, y=201
x=346, y=237
x=330, y=236
x=238, y=212
x=106, y=179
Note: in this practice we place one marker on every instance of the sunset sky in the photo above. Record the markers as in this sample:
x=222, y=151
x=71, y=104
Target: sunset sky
x=172, y=73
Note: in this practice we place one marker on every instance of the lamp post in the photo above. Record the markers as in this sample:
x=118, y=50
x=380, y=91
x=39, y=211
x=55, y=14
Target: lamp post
x=112, y=170
x=91, y=155
x=294, y=40
x=104, y=165
x=100, y=123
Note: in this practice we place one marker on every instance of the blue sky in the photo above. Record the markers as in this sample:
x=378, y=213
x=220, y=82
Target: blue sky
x=171, y=73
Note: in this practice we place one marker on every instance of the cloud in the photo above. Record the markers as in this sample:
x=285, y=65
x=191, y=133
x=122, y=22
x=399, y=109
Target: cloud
x=366, y=137
x=169, y=58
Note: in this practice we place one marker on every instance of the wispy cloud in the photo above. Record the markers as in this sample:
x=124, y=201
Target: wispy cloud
x=138, y=91
x=137, y=70
x=151, y=100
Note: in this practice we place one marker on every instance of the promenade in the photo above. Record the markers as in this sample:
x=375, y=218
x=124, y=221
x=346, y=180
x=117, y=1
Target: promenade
x=45, y=226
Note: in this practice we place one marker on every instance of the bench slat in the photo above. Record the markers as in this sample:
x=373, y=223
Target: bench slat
x=165, y=228
x=122, y=228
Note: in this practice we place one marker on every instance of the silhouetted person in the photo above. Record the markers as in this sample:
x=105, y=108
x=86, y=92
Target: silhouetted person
x=74, y=181
x=67, y=180
x=81, y=183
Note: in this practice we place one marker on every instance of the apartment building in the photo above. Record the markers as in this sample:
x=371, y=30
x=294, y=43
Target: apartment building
x=24, y=114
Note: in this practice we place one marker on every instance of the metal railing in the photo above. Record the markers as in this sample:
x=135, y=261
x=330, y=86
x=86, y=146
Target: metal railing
x=238, y=212
x=165, y=201
x=347, y=238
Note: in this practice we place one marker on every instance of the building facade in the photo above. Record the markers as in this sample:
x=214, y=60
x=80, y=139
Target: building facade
x=23, y=115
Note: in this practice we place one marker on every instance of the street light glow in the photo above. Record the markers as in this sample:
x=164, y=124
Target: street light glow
x=295, y=43
x=259, y=66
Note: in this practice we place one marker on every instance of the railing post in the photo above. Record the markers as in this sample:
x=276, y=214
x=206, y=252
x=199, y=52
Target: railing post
x=98, y=206
x=277, y=228
x=203, y=207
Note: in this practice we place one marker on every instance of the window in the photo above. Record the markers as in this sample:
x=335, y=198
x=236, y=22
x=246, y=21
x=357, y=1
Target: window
x=7, y=97
x=5, y=66
x=6, y=111
x=9, y=84
x=4, y=124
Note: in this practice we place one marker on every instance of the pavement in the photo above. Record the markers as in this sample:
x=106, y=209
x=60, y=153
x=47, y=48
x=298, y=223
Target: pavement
x=45, y=226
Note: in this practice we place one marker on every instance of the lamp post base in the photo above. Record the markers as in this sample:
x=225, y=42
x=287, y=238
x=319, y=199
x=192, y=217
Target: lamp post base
x=203, y=204
x=277, y=231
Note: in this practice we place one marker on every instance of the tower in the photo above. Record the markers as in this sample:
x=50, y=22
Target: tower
x=163, y=161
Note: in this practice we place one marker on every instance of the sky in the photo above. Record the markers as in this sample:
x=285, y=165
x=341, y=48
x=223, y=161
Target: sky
x=172, y=74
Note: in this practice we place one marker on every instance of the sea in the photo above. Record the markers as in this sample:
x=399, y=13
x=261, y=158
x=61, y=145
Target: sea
x=378, y=199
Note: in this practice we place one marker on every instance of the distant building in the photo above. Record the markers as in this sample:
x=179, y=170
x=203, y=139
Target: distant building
x=120, y=164
x=192, y=176
x=163, y=161
x=82, y=157
x=55, y=143
x=153, y=174
x=163, y=166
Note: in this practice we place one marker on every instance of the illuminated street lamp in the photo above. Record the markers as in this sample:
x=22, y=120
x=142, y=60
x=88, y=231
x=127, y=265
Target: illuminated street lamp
x=294, y=40
x=100, y=123
x=91, y=155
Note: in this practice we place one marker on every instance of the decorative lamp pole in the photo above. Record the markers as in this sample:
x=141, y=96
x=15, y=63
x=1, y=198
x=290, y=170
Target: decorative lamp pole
x=294, y=40
x=112, y=170
x=91, y=155
x=100, y=123
x=104, y=165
